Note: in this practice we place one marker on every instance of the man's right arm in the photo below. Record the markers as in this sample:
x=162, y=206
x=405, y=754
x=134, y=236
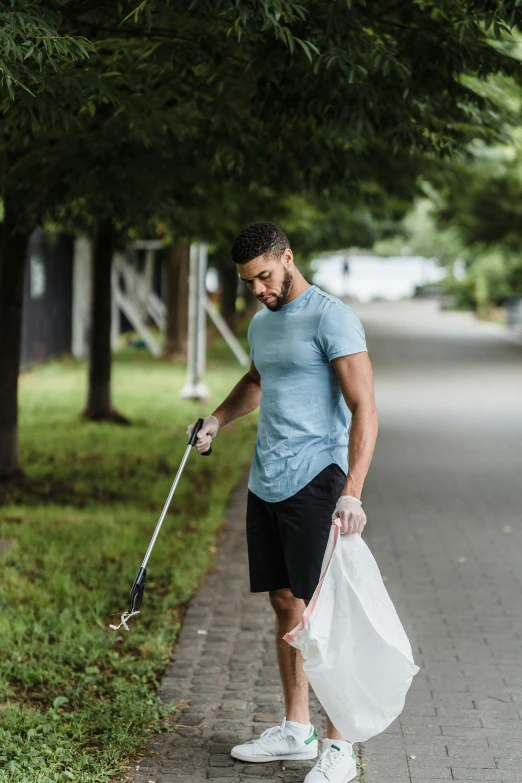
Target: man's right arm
x=244, y=398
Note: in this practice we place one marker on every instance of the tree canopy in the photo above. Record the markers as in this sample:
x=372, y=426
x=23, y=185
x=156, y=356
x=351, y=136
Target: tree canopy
x=33, y=42
x=125, y=112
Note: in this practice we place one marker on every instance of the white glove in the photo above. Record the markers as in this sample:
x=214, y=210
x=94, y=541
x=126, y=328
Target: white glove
x=208, y=431
x=350, y=513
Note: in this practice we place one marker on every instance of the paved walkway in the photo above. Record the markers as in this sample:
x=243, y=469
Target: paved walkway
x=444, y=506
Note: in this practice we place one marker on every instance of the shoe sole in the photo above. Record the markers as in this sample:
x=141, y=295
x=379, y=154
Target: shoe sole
x=351, y=776
x=289, y=757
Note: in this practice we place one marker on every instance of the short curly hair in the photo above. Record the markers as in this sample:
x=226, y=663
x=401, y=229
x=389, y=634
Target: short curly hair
x=259, y=239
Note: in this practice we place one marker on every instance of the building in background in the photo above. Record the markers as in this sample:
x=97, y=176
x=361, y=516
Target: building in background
x=57, y=298
x=363, y=277
x=48, y=297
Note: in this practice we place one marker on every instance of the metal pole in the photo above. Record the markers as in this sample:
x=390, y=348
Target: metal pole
x=166, y=507
x=81, y=298
x=195, y=387
x=202, y=313
x=229, y=336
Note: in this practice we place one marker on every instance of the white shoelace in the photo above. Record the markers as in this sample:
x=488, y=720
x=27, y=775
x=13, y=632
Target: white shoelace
x=274, y=733
x=328, y=760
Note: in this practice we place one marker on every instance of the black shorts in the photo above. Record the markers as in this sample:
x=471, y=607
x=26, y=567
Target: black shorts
x=287, y=540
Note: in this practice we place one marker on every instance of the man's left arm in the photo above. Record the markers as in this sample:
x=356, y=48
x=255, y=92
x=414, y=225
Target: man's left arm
x=355, y=375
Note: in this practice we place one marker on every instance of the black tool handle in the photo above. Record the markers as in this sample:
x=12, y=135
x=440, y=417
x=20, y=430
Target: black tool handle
x=194, y=436
x=136, y=593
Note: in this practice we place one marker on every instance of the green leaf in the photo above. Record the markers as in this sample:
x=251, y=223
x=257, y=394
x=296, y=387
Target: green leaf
x=59, y=701
x=307, y=48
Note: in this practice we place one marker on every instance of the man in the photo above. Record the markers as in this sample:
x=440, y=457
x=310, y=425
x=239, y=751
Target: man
x=312, y=377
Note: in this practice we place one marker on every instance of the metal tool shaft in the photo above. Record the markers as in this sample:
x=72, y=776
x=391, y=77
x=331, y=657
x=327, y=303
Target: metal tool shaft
x=166, y=506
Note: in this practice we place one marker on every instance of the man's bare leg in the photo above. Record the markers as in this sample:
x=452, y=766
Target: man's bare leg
x=289, y=611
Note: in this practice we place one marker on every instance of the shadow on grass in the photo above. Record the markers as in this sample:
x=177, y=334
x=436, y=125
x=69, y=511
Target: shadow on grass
x=27, y=490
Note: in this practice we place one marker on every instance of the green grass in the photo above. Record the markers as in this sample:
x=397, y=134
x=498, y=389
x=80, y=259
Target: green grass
x=77, y=699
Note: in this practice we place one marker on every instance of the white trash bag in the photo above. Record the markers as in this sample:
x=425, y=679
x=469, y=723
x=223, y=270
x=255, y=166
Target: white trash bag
x=357, y=656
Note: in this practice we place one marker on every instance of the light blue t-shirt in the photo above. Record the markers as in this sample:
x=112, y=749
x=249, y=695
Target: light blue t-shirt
x=303, y=417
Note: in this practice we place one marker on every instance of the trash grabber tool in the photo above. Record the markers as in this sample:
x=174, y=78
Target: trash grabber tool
x=136, y=593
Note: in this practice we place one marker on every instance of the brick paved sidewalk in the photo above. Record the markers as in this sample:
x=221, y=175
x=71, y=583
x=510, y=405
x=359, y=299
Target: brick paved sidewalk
x=225, y=667
x=444, y=506
x=444, y=503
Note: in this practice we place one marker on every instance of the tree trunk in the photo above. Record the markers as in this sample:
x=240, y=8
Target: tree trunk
x=13, y=252
x=228, y=290
x=99, y=400
x=176, y=299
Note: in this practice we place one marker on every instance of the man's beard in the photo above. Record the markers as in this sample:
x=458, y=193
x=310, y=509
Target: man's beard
x=286, y=287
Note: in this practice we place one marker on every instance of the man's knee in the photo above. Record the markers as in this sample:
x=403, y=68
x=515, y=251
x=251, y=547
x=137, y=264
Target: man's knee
x=283, y=601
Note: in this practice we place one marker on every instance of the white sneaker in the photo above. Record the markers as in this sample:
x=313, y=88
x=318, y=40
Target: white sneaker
x=277, y=743
x=336, y=764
